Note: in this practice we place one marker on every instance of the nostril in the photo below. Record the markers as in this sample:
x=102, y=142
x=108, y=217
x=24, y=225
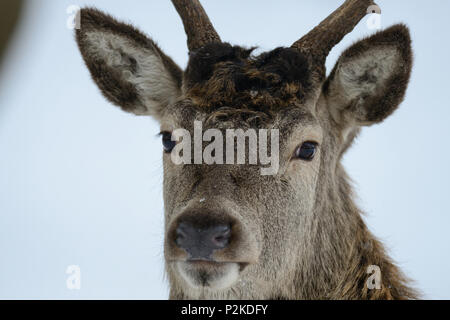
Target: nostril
x=181, y=234
x=179, y=240
x=221, y=241
x=221, y=236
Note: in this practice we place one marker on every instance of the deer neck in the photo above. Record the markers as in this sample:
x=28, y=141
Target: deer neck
x=344, y=260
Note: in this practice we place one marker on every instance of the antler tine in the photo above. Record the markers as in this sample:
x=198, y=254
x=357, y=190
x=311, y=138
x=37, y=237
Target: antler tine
x=330, y=31
x=197, y=25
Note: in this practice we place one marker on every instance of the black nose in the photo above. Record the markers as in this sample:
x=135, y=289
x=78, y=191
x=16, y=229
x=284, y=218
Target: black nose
x=200, y=241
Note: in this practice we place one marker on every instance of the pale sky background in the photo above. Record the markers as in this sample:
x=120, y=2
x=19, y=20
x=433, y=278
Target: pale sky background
x=80, y=180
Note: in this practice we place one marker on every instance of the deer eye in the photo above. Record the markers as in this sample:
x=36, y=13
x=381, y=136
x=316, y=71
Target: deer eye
x=167, y=142
x=306, y=151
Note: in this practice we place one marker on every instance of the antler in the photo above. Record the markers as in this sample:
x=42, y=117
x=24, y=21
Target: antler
x=330, y=31
x=197, y=25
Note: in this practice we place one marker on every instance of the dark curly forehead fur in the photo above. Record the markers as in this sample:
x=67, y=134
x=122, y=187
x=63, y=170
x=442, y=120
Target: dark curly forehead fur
x=220, y=75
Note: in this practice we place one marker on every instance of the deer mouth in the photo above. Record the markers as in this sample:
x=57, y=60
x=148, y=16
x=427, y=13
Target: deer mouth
x=213, y=265
x=210, y=274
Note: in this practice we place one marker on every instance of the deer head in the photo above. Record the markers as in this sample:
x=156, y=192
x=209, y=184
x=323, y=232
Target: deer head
x=231, y=232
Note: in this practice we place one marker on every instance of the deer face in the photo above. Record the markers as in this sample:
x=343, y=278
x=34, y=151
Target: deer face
x=230, y=230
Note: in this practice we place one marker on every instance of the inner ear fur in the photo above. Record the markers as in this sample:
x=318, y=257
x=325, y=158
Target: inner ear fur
x=369, y=80
x=129, y=68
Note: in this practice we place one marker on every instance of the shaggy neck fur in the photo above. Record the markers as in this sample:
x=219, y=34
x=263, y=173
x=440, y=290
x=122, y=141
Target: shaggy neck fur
x=336, y=265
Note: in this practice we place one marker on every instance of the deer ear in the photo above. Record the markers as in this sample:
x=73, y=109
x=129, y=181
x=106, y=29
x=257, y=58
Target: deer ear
x=370, y=78
x=129, y=68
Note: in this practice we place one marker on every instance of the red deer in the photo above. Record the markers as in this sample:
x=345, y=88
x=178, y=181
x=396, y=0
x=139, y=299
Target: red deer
x=231, y=232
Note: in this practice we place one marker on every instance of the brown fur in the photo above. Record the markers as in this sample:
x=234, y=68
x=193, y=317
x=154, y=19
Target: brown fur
x=297, y=234
x=110, y=81
x=388, y=100
x=9, y=18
